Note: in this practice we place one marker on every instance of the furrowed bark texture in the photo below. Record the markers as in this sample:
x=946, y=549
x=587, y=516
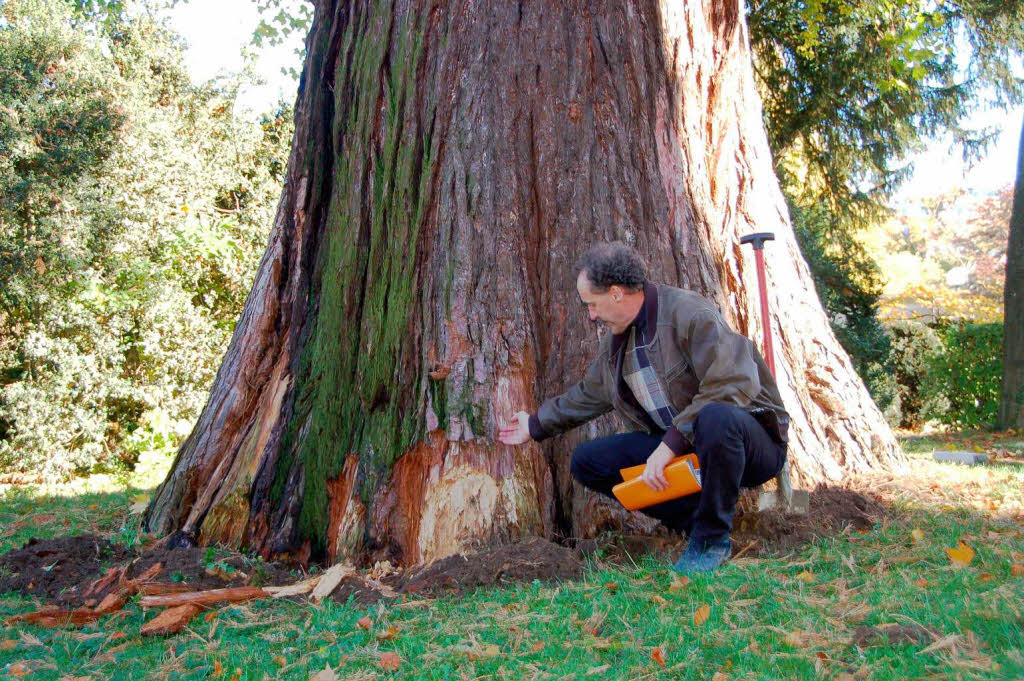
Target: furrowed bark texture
x=1011, y=399
x=451, y=162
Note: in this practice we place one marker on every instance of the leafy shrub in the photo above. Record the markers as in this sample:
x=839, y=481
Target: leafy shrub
x=968, y=373
x=907, y=374
x=134, y=208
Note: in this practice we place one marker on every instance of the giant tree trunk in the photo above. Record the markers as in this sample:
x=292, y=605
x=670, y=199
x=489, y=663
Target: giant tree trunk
x=451, y=161
x=1011, y=398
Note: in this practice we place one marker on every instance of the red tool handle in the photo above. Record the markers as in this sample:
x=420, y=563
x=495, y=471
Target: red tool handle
x=766, y=324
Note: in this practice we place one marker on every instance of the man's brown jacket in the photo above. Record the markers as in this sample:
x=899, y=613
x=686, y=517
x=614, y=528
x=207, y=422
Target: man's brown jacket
x=698, y=360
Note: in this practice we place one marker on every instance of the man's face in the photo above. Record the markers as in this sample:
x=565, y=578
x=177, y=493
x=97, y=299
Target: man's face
x=606, y=308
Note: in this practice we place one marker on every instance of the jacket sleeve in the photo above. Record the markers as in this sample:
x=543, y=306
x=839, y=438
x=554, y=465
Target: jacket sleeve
x=583, y=402
x=723, y=362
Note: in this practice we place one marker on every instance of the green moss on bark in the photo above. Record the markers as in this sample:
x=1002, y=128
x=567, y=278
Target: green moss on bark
x=353, y=395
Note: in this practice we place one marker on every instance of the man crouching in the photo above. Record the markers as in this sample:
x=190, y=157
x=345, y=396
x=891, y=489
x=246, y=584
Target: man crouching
x=682, y=381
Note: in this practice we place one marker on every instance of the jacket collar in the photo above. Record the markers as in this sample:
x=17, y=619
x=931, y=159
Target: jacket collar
x=648, y=314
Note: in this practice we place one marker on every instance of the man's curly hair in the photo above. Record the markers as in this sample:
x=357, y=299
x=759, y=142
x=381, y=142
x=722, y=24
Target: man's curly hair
x=611, y=264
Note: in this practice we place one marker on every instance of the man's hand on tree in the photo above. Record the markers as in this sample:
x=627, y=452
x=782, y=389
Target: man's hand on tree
x=654, y=473
x=517, y=432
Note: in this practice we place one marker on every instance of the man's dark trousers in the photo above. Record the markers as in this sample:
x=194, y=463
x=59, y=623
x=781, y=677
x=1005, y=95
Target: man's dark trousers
x=734, y=451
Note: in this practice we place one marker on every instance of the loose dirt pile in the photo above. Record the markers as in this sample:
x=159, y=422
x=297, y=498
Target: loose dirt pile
x=529, y=559
x=62, y=570
x=71, y=571
x=81, y=570
x=55, y=569
x=832, y=510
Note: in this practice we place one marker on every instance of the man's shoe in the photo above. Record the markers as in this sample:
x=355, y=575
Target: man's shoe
x=704, y=557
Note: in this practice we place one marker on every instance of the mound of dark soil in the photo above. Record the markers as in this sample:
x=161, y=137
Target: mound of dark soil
x=59, y=569
x=832, y=510
x=358, y=590
x=526, y=560
x=206, y=568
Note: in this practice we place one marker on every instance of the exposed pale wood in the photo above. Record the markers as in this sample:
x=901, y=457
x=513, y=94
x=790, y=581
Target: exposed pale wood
x=296, y=589
x=330, y=580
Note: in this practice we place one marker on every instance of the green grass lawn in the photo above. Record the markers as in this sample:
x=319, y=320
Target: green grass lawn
x=893, y=588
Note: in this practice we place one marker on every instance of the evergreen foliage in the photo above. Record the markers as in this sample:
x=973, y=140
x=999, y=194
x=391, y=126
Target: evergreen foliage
x=850, y=90
x=134, y=208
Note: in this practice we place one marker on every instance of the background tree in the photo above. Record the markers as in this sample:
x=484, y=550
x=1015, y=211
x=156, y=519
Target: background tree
x=450, y=163
x=850, y=90
x=133, y=210
x=1011, y=399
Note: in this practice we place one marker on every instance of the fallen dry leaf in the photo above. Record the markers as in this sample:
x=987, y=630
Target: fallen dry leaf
x=922, y=582
x=325, y=674
x=280, y=661
x=702, y=614
x=538, y=646
x=916, y=535
x=389, y=662
x=806, y=577
x=944, y=643
x=218, y=668
x=387, y=635
x=961, y=556
x=8, y=645
x=679, y=583
x=1017, y=570
x=658, y=655
x=365, y=623
x=611, y=586
x=19, y=669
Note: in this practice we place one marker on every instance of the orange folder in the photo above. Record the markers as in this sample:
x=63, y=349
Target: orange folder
x=682, y=473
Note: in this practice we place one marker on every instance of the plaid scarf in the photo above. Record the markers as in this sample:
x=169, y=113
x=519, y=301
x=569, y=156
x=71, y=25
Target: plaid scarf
x=643, y=380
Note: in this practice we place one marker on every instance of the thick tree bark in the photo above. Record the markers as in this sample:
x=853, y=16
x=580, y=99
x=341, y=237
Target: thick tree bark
x=1011, y=397
x=451, y=161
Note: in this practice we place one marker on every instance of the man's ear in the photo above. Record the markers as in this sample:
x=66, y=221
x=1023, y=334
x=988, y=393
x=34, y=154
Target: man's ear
x=617, y=292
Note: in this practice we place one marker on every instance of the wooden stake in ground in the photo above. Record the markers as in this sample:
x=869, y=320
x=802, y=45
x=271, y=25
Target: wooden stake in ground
x=451, y=161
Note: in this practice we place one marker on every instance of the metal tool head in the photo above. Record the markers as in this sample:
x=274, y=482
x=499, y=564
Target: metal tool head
x=758, y=239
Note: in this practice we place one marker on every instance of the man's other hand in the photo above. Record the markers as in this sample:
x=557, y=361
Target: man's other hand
x=654, y=473
x=517, y=432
